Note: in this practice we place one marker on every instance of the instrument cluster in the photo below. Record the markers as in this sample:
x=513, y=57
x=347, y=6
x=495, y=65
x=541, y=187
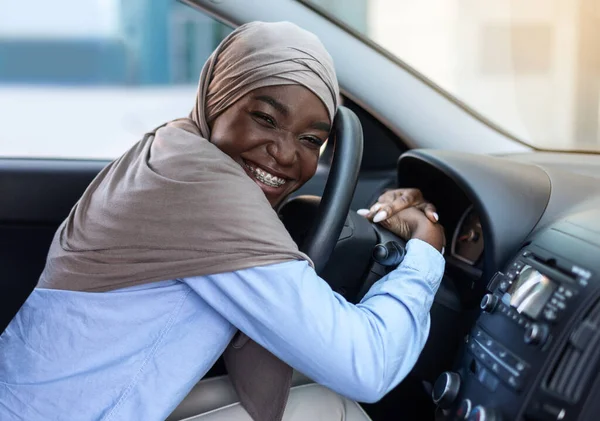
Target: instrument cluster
x=467, y=240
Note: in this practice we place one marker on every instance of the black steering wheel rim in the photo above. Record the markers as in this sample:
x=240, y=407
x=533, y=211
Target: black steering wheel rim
x=339, y=189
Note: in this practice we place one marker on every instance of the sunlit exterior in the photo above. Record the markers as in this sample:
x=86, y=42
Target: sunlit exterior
x=123, y=67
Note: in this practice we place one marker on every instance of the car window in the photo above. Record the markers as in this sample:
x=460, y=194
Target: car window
x=530, y=67
x=86, y=79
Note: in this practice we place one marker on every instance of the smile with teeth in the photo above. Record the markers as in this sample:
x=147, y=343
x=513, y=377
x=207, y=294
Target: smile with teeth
x=265, y=177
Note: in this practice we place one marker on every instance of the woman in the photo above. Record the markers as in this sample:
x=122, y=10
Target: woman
x=175, y=246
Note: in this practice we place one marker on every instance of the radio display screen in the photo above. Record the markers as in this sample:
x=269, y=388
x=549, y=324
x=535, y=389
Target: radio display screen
x=530, y=291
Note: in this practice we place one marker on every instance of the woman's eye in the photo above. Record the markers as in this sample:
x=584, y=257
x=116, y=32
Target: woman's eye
x=314, y=141
x=265, y=119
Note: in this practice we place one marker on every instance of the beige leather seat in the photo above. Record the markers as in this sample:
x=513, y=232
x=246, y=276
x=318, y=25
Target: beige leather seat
x=309, y=402
x=215, y=393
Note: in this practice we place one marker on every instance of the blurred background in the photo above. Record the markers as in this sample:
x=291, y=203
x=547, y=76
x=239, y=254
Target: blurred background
x=86, y=78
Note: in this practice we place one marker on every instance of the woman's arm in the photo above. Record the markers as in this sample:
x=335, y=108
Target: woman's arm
x=360, y=351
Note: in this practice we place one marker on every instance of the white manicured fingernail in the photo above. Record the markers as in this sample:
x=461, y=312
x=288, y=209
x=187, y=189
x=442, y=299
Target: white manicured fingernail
x=380, y=216
x=436, y=216
x=443, y=250
x=376, y=207
x=363, y=212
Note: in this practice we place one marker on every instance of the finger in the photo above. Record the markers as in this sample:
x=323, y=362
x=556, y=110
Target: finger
x=412, y=196
x=403, y=199
x=389, y=196
x=394, y=201
x=369, y=213
x=402, y=202
x=373, y=210
x=384, y=212
x=430, y=211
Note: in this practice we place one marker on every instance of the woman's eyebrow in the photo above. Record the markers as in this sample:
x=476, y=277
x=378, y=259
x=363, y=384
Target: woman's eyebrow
x=283, y=109
x=321, y=125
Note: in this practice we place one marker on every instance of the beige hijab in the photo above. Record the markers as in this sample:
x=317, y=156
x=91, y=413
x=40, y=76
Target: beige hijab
x=175, y=206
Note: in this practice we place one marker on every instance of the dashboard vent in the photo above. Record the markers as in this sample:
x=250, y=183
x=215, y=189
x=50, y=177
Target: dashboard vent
x=577, y=363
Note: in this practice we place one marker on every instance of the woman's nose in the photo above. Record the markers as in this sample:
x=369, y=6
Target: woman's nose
x=283, y=150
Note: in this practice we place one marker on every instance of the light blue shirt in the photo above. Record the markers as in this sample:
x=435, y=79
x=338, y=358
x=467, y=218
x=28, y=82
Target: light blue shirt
x=135, y=353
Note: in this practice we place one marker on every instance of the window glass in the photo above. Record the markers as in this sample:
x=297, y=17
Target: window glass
x=86, y=79
x=531, y=67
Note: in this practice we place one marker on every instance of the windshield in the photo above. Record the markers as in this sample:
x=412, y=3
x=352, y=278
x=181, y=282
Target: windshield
x=530, y=67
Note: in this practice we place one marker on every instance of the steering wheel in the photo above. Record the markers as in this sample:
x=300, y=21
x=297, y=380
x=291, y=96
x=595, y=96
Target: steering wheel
x=340, y=243
x=333, y=209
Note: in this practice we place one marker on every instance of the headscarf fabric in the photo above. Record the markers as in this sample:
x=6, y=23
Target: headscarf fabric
x=156, y=213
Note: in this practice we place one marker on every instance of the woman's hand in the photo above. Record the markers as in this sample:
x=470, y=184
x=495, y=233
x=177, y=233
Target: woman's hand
x=406, y=213
x=412, y=223
x=394, y=201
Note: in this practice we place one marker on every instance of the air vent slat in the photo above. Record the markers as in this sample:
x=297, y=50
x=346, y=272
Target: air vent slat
x=560, y=378
x=556, y=376
x=576, y=364
x=582, y=372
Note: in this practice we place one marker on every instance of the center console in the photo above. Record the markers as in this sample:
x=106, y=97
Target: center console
x=533, y=352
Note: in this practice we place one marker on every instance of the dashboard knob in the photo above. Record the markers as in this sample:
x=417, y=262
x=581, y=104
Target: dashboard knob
x=445, y=390
x=389, y=254
x=488, y=303
x=464, y=409
x=481, y=413
x=536, y=334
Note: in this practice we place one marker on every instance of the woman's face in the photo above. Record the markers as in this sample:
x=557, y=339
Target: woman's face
x=275, y=134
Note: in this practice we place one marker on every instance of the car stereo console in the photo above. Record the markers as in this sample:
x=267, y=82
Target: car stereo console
x=533, y=352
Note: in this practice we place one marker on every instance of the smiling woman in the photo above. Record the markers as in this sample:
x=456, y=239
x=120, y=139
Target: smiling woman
x=281, y=129
x=176, y=245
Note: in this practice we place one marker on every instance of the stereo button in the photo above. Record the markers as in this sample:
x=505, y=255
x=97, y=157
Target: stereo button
x=550, y=314
x=481, y=413
x=536, y=334
x=509, y=359
x=445, y=389
x=463, y=411
x=488, y=303
x=499, y=280
x=518, y=266
x=487, y=379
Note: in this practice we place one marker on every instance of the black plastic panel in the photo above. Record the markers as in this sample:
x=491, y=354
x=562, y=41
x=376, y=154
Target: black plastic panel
x=37, y=195
x=553, y=384
x=42, y=191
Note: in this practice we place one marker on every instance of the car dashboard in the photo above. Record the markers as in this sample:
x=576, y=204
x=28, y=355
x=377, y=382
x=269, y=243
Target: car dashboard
x=523, y=248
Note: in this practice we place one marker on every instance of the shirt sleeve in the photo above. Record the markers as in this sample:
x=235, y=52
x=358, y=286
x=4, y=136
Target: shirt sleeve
x=360, y=351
